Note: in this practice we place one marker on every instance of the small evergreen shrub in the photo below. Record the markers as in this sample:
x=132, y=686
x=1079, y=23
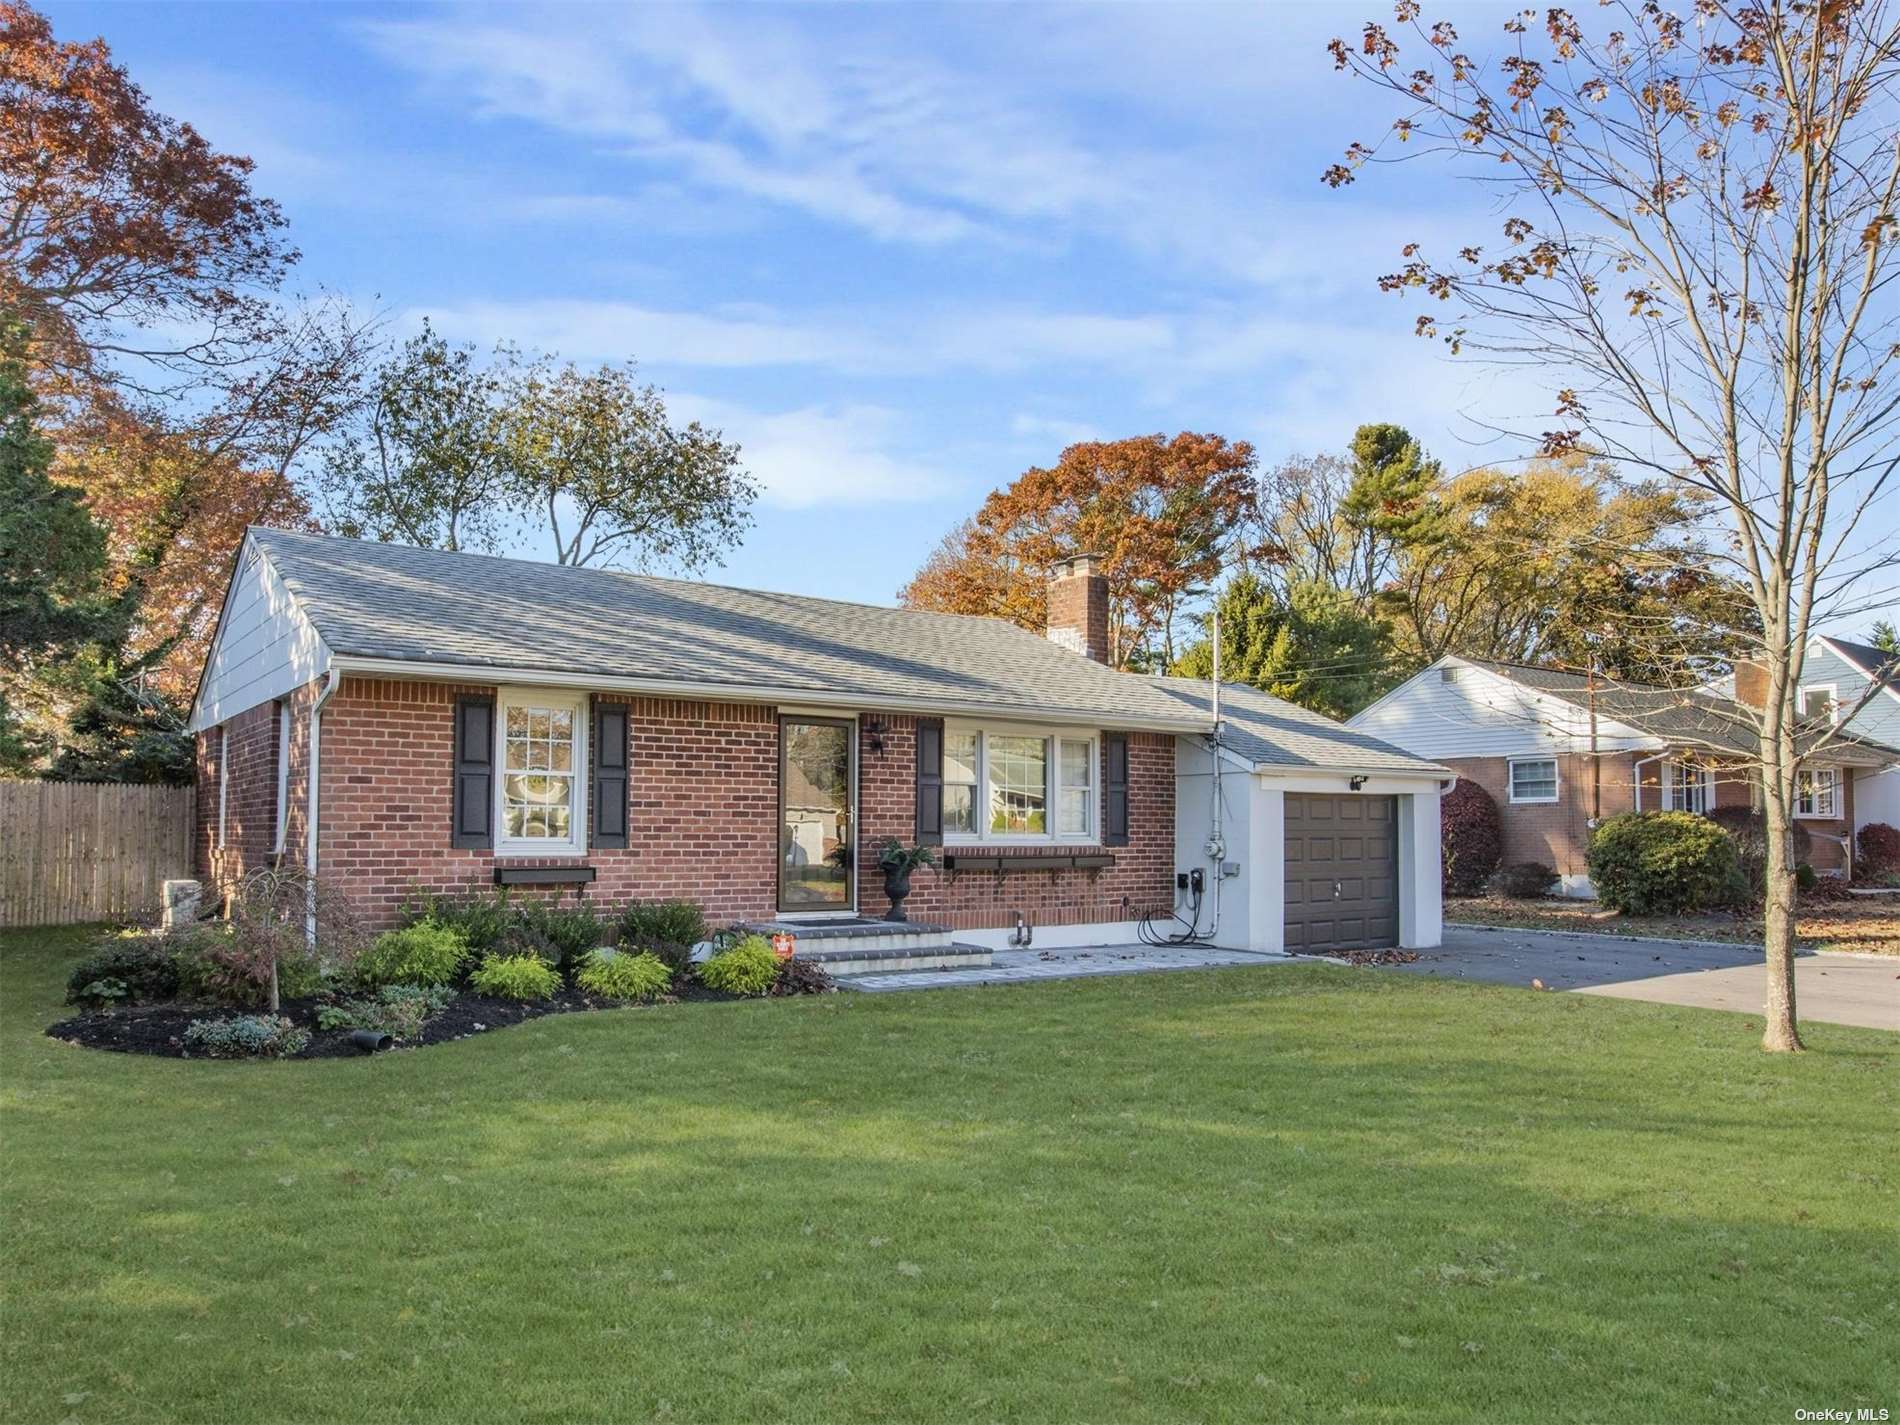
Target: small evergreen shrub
x=747, y=967
x=1879, y=849
x=645, y=924
x=1749, y=830
x=522, y=977
x=1472, y=837
x=623, y=974
x=426, y=953
x=1664, y=863
x=483, y=920
x=1525, y=880
x=128, y=968
x=519, y=940
x=400, y=1011
x=571, y=932
x=1806, y=878
x=246, y=1036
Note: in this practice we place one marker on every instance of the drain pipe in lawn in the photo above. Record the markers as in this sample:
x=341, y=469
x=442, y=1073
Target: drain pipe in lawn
x=331, y=682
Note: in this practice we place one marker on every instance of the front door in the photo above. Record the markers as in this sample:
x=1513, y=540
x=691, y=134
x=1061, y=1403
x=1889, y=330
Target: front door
x=816, y=788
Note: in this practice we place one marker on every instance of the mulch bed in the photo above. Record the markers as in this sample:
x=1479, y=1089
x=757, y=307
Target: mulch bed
x=160, y=1028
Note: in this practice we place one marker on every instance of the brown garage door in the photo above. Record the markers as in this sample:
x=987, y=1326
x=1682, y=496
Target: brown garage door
x=1342, y=872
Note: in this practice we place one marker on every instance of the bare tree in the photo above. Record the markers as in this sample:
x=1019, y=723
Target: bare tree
x=1698, y=252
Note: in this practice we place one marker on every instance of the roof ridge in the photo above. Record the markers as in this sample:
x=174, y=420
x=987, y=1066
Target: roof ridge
x=995, y=620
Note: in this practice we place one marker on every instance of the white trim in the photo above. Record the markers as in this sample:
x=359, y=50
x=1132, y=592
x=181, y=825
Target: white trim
x=1671, y=779
x=283, y=774
x=1510, y=782
x=224, y=779
x=1835, y=794
x=569, y=700
x=1833, y=691
x=1891, y=687
x=888, y=703
x=1052, y=739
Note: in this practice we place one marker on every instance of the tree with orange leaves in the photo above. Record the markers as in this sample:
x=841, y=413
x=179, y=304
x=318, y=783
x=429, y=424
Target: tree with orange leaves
x=1159, y=512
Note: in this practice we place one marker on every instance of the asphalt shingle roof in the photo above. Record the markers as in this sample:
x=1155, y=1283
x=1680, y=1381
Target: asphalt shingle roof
x=1271, y=732
x=392, y=601
x=1691, y=716
x=1871, y=660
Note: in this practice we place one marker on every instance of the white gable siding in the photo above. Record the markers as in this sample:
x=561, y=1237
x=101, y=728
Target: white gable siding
x=264, y=646
x=1482, y=715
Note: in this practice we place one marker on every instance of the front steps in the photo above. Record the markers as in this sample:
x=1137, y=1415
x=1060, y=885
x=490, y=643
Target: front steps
x=875, y=947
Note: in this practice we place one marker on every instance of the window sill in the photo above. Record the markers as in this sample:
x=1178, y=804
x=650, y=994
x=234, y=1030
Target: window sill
x=1532, y=801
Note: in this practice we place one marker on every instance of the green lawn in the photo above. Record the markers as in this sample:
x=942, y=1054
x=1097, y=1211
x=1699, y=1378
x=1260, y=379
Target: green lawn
x=1236, y=1195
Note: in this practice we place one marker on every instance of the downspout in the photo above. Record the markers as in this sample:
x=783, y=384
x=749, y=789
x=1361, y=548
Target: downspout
x=331, y=682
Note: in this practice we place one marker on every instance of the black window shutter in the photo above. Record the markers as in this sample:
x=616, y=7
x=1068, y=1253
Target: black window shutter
x=474, y=816
x=1115, y=790
x=609, y=795
x=929, y=781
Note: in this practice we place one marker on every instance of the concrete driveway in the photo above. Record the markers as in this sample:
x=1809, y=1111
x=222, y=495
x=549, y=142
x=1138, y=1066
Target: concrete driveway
x=1833, y=989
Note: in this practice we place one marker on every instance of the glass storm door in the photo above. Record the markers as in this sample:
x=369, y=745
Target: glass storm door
x=816, y=783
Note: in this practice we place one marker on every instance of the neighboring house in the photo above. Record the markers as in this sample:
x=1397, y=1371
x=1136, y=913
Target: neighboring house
x=408, y=721
x=1559, y=755
x=1838, y=673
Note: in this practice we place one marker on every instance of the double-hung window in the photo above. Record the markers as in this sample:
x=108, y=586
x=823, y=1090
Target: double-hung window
x=1002, y=784
x=1534, y=779
x=541, y=797
x=1687, y=787
x=1819, y=702
x=1816, y=793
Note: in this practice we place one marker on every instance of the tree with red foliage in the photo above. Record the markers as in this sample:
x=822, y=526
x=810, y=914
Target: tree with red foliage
x=1472, y=835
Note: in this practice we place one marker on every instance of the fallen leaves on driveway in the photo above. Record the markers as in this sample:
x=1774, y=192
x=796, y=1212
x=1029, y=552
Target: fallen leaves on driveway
x=1867, y=927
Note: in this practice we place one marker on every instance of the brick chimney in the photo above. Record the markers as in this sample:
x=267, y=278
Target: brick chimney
x=1078, y=607
x=1751, y=683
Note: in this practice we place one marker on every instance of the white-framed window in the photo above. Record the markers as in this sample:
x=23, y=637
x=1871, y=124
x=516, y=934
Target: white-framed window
x=1818, y=701
x=1687, y=786
x=1533, y=779
x=541, y=794
x=1005, y=784
x=283, y=775
x=1817, y=793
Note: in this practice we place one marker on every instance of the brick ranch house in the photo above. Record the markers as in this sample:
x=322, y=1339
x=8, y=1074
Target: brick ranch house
x=1559, y=755
x=409, y=721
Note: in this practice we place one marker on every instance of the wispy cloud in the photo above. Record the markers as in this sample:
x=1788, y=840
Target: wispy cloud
x=820, y=455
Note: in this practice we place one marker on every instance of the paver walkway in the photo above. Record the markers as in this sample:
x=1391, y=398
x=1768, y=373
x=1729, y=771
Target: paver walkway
x=1014, y=967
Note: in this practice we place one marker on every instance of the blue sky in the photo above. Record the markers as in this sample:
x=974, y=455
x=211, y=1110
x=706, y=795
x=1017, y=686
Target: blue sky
x=899, y=253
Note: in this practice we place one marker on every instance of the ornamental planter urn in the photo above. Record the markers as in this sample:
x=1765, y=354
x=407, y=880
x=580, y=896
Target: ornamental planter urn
x=897, y=862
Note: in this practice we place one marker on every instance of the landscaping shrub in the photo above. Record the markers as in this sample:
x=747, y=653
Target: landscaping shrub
x=571, y=932
x=623, y=974
x=1664, y=862
x=801, y=977
x=520, y=940
x=1749, y=830
x=1473, y=838
x=401, y=1011
x=1526, y=880
x=1806, y=878
x=644, y=925
x=521, y=977
x=246, y=1036
x=748, y=967
x=426, y=953
x=483, y=920
x=212, y=965
x=126, y=968
x=1879, y=849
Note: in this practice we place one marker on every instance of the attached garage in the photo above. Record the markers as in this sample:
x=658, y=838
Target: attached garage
x=1342, y=871
x=1307, y=836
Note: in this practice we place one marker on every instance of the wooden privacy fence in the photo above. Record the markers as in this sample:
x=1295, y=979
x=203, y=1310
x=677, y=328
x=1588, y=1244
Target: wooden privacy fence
x=77, y=851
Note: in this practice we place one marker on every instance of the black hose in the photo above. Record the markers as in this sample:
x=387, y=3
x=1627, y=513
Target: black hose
x=1151, y=935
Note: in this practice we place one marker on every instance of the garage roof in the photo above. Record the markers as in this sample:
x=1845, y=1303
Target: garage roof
x=1275, y=735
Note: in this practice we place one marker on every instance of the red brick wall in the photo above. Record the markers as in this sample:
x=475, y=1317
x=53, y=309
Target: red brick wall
x=1558, y=834
x=703, y=813
x=1141, y=880
x=243, y=749
x=1078, y=613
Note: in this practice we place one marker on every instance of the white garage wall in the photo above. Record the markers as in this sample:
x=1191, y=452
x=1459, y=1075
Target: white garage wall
x=1252, y=906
